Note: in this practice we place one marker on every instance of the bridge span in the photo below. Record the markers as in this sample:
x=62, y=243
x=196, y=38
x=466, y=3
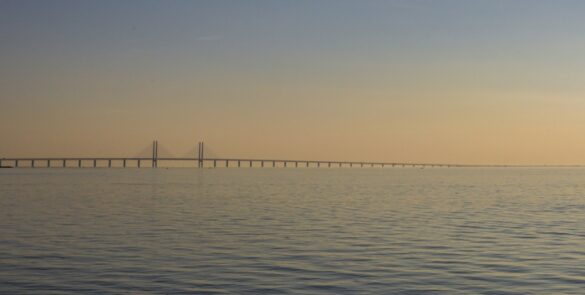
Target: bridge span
x=94, y=162
x=199, y=161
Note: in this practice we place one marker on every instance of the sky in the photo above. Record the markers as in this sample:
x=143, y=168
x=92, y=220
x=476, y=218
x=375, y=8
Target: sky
x=451, y=81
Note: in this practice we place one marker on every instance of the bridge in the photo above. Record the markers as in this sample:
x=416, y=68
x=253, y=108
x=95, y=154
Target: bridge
x=199, y=160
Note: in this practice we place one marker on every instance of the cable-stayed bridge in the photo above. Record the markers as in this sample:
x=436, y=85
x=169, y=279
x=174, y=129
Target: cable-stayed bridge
x=201, y=157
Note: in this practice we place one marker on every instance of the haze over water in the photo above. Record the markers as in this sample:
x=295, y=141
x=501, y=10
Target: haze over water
x=292, y=231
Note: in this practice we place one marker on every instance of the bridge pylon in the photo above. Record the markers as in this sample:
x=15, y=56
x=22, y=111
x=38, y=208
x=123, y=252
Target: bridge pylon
x=155, y=154
x=200, y=155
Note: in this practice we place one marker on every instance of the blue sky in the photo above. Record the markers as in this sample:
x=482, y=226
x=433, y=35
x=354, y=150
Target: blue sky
x=349, y=76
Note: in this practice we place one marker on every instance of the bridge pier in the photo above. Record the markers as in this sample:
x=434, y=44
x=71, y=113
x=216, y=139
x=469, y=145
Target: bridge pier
x=58, y=162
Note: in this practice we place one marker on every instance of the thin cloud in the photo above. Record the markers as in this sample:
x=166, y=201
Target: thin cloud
x=209, y=38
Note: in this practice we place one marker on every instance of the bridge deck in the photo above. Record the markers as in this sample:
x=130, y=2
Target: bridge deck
x=56, y=162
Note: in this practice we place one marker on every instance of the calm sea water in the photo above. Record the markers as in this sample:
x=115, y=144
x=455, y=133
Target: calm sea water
x=292, y=231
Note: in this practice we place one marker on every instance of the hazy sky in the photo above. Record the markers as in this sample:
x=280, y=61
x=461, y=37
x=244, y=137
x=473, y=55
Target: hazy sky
x=430, y=81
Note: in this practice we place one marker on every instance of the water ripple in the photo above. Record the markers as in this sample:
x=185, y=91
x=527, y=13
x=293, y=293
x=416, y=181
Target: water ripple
x=288, y=231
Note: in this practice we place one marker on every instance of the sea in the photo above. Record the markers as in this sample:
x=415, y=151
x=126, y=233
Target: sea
x=292, y=231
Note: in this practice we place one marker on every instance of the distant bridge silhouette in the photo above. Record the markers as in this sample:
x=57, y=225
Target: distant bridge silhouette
x=202, y=158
